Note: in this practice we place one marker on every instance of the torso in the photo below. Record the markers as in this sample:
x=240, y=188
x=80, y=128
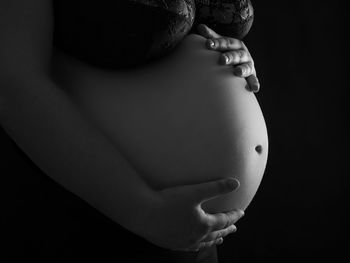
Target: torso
x=178, y=131
x=182, y=120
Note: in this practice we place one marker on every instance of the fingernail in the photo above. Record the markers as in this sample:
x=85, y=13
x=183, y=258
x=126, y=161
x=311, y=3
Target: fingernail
x=211, y=43
x=233, y=183
x=220, y=241
x=233, y=228
x=238, y=72
x=242, y=213
x=255, y=88
x=224, y=59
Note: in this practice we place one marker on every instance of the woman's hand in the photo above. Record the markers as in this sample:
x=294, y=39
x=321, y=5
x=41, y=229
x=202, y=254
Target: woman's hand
x=178, y=222
x=235, y=53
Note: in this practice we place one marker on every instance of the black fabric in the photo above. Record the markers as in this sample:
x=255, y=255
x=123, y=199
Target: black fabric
x=120, y=34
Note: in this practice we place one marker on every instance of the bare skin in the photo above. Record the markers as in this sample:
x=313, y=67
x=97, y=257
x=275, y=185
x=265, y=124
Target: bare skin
x=70, y=150
x=182, y=224
x=235, y=53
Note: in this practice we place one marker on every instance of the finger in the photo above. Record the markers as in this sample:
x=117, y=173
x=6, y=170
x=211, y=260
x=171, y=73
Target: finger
x=244, y=70
x=224, y=44
x=207, y=32
x=235, y=57
x=221, y=221
x=206, y=191
x=220, y=233
x=219, y=241
x=204, y=245
x=253, y=83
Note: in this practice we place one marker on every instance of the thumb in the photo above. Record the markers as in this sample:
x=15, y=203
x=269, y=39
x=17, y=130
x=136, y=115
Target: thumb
x=206, y=191
x=206, y=32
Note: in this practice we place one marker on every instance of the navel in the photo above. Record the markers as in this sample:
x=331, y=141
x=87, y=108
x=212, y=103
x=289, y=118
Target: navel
x=259, y=149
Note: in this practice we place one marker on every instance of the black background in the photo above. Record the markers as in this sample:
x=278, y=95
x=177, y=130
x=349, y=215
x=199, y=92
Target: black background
x=301, y=54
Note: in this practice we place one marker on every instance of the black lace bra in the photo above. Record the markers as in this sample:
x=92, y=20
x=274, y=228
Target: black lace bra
x=107, y=33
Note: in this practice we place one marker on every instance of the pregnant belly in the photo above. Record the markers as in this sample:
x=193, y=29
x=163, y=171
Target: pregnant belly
x=182, y=120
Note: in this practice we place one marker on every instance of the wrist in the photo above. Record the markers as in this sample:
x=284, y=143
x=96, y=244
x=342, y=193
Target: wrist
x=147, y=221
x=140, y=214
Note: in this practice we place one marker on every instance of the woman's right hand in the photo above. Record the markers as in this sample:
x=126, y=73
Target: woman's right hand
x=178, y=222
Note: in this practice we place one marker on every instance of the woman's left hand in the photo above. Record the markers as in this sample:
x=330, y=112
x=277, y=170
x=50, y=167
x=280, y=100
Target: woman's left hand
x=234, y=53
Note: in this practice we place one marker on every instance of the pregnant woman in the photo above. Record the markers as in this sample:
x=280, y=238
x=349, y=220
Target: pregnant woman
x=150, y=148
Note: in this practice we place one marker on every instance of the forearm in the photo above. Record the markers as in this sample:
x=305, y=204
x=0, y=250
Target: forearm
x=48, y=127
